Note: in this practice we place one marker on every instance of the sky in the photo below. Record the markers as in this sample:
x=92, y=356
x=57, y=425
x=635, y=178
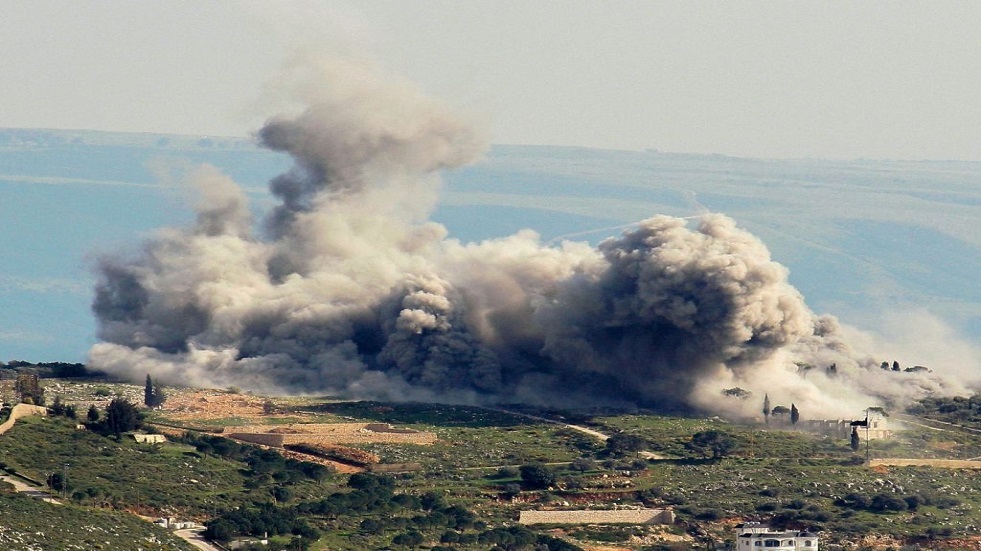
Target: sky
x=772, y=79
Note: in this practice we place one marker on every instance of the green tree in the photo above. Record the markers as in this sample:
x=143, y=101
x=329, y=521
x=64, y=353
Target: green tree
x=56, y=481
x=122, y=416
x=856, y=440
x=282, y=494
x=152, y=395
x=537, y=476
x=220, y=530
x=408, y=539
x=622, y=443
x=716, y=443
x=93, y=414
x=794, y=414
x=737, y=392
x=432, y=500
x=779, y=411
x=57, y=407
x=582, y=464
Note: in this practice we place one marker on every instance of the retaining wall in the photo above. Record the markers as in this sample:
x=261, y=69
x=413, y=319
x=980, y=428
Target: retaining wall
x=21, y=410
x=584, y=516
x=333, y=433
x=942, y=463
x=394, y=467
x=266, y=439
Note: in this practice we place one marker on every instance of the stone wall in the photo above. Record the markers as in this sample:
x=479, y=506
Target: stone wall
x=394, y=467
x=326, y=434
x=21, y=410
x=385, y=427
x=266, y=439
x=366, y=437
x=942, y=463
x=585, y=516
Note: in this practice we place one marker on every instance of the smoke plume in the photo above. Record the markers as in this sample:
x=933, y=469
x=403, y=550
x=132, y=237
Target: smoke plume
x=346, y=287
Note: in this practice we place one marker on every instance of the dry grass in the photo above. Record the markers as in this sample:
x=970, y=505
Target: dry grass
x=940, y=463
x=191, y=404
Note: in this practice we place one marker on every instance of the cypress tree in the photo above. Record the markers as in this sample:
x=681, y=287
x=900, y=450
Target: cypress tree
x=148, y=392
x=766, y=408
x=152, y=396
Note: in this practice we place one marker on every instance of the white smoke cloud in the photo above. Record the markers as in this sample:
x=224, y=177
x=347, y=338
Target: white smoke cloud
x=350, y=289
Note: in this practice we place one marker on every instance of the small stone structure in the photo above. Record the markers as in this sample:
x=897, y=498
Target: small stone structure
x=149, y=438
x=174, y=524
x=586, y=516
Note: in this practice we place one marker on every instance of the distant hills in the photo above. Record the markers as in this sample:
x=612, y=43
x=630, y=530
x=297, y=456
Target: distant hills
x=863, y=239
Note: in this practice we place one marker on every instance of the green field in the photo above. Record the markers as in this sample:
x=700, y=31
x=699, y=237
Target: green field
x=27, y=523
x=149, y=478
x=778, y=475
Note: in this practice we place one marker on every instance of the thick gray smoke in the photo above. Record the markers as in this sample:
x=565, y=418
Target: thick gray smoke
x=347, y=288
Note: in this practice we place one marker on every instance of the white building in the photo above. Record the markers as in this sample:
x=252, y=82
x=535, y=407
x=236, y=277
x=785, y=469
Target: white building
x=754, y=536
x=149, y=438
x=874, y=427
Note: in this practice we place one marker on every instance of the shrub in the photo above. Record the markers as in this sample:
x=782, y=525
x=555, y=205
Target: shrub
x=884, y=502
x=944, y=502
x=511, y=490
x=796, y=504
x=582, y=464
x=282, y=494
x=854, y=501
x=622, y=443
x=913, y=502
x=537, y=476
x=408, y=539
x=709, y=515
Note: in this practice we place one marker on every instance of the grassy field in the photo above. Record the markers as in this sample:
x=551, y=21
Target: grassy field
x=30, y=524
x=152, y=479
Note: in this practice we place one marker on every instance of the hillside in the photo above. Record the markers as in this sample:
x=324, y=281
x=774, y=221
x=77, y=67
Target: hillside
x=29, y=524
x=470, y=489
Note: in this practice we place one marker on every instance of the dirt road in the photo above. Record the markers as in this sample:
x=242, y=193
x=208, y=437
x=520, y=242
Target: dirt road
x=193, y=536
x=932, y=424
x=585, y=430
x=29, y=490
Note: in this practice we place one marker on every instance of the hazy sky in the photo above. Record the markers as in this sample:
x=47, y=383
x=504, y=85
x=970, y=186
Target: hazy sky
x=768, y=79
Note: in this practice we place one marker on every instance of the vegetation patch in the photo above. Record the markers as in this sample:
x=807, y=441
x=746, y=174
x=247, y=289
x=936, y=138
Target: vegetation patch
x=33, y=524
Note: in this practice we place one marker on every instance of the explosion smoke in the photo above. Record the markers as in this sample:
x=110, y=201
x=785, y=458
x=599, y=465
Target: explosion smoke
x=350, y=289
